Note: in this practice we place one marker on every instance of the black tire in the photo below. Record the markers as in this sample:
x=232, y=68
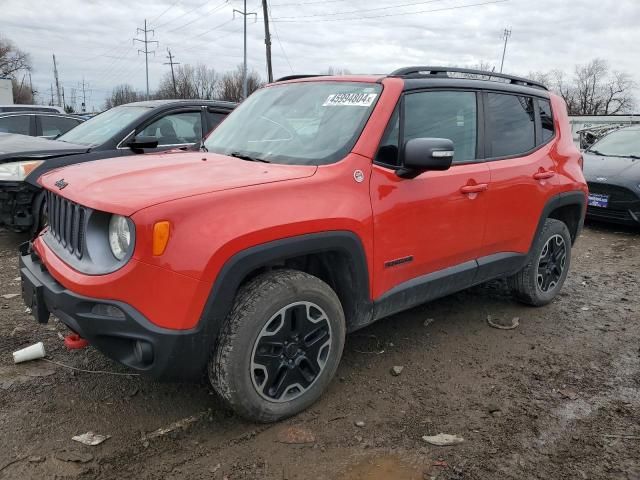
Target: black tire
x=256, y=328
x=526, y=285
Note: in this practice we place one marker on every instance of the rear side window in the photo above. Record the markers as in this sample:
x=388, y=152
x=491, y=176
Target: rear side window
x=511, y=124
x=52, y=127
x=546, y=120
x=17, y=124
x=451, y=115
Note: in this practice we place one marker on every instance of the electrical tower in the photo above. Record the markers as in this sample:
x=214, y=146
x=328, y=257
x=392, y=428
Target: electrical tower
x=146, y=50
x=173, y=76
x=506, y=34
x=245, y=14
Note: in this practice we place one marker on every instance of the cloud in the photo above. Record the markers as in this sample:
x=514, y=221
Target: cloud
x=92, y=39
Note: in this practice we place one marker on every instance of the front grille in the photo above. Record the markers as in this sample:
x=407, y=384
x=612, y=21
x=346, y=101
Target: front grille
x=617, y=195
x=66, y=223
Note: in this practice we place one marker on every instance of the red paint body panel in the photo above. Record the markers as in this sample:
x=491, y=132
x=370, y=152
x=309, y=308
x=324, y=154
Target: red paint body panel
x=221, y=206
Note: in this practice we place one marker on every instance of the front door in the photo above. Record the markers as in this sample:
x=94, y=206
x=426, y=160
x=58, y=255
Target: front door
x=434, y=223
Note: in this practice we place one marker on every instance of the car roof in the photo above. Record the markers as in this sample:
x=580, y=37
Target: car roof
x=39, y=112
x=418, y=77
x=174, y=102
x=19, y=107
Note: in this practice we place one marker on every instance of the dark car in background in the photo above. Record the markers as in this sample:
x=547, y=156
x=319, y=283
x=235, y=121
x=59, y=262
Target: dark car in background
x=38, y=124
x=612, y=170
x=130, y=129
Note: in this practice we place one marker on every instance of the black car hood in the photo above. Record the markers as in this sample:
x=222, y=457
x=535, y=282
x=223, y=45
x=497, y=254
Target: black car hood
x=603, y=169
x=17, y=147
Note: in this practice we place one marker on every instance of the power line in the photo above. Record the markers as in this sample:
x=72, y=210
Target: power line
x=363, y=10
x=284, y=54
x=306, y=3
x=164, y=11
x=204, y=15
x=389, y=14
x=146, y=50
x=183, y=15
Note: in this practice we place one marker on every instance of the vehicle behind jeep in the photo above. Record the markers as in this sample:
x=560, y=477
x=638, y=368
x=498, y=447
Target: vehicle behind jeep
x=319, y=206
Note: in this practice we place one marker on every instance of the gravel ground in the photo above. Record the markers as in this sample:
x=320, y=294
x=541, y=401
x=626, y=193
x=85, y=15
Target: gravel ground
x=558, y=397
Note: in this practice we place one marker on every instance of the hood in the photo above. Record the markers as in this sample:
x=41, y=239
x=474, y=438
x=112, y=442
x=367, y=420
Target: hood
x=18, y=147
x=611, y=168
x=126, y=185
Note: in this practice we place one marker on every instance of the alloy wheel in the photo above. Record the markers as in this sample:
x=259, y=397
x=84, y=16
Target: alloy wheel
x=551, y=263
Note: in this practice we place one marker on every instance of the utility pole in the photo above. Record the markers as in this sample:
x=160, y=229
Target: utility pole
x=245, y=14
x=506, y=35
x=31, y=88
x=64, y=103
x=267, y=39
x=52, y=104
x=55, y=74
x=146, y=50
x=173, y=77
x=84, y=97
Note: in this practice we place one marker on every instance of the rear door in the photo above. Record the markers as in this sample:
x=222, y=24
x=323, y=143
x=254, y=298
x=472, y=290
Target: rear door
x=435, y=221
x=519, y=131
x=20, y=124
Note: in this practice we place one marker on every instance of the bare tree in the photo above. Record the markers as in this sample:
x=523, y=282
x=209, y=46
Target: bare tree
x=122, y=94
x=337, y=71
x=12, y=59
x=191, y=82
x=593, y=90
x=231, y=84
x=22, y=93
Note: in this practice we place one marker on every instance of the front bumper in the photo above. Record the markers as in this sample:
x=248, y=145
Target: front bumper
x=115, y=328
x=623, y=207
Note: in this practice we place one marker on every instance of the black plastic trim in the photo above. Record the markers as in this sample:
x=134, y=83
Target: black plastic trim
x=563, y=200
x=242, y=264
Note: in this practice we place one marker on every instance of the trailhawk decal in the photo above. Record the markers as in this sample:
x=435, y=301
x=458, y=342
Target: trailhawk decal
x=350, y=99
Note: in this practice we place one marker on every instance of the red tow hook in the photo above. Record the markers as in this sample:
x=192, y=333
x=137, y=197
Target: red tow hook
x=75, y=342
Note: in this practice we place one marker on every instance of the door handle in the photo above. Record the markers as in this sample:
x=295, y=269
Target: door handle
x=544, y=174
x=480, y=187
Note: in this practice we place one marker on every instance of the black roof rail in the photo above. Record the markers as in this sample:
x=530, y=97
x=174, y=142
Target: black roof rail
x=443, y=71
x=295, y=77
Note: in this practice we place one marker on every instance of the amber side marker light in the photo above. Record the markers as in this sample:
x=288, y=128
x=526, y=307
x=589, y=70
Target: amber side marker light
x=160, y=237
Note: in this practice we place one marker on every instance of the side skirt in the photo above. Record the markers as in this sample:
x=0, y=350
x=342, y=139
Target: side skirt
x=447, y=281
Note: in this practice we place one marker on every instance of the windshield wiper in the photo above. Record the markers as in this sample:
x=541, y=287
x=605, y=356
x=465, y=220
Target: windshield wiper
x=248, y=157
x=203, y=148
x=596, y=152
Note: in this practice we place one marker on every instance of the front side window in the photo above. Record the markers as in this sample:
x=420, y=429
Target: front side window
x=451, y=115
x=176, y=129
x=103, y=127
x=16, y=124
x=511, y=125
x=305, y=123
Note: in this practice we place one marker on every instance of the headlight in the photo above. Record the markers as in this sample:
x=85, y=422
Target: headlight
x=119, y=236
x=17, y=171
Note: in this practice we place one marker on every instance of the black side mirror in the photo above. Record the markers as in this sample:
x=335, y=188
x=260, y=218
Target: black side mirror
x=138, y=143
x=424, y=154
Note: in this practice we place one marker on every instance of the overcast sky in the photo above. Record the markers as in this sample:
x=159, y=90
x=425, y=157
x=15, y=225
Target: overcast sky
x=93, y=38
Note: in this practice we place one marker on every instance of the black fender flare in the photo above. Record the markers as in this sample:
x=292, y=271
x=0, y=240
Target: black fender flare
x=571, y=198
x=240, y=265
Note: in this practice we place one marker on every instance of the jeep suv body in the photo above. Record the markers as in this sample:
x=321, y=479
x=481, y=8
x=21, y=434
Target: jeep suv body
x=319, y=206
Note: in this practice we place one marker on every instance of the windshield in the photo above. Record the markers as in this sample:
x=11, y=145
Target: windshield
x=101, y=128
x=307, y=123
x=621, y=143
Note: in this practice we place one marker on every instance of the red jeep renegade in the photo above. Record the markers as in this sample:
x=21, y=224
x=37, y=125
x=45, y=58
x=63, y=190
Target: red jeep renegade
x=317, y=207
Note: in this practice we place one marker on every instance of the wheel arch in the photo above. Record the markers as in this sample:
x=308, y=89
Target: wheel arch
x=569, y=208
x=337, y=257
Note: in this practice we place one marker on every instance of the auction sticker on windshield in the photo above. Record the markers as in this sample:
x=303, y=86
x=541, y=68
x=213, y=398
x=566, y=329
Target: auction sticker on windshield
x=350, y=99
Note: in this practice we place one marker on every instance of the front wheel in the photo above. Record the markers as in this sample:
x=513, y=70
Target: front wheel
x=280, y=345
x=543, y=276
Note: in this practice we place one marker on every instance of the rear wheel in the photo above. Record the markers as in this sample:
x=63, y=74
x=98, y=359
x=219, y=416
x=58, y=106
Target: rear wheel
x=542, y=278
x=280, y=346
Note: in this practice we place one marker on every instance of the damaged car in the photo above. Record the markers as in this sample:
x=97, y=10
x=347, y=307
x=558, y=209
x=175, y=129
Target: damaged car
x=612, y=170
x=130, y=129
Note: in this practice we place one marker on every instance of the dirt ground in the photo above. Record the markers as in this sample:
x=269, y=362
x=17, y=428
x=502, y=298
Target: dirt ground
x=558, y=397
